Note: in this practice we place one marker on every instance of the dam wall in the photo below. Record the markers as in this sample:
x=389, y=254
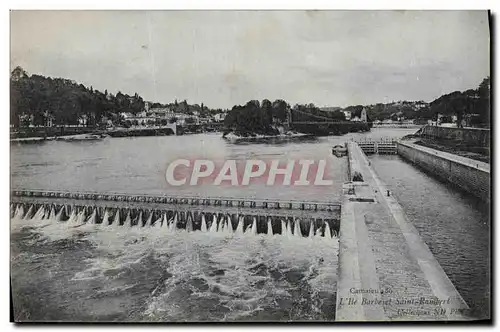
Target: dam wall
x=469, y=175
x=298, y=218
x=167, y=219
x=386, y=271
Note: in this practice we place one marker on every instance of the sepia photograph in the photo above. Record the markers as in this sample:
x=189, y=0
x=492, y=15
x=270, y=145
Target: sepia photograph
x=222, y=166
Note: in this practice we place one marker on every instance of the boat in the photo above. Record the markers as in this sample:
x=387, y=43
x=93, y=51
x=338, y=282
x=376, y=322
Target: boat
x=339, y=150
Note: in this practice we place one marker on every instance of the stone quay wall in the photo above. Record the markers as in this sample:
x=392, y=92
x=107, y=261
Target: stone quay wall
x=473, y=137
x=470, y=175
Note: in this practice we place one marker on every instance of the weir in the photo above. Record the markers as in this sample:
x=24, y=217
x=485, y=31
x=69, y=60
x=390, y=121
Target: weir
x=191, y=213
x=282, y=207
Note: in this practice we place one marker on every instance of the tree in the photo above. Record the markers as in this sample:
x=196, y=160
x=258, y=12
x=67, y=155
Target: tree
x=465, y=104
x=35, y=97
x=338, y=115
x=483, y=102
x=267, y=108
x=280, y=109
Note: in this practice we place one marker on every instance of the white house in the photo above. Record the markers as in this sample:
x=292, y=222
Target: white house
x=162, y=113
x=420, y=105
x=347, y=115
x=126, y=115
x=83, y=120
x=219, y=117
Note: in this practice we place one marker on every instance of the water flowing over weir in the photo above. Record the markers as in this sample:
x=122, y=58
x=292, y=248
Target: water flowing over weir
x=291, y=218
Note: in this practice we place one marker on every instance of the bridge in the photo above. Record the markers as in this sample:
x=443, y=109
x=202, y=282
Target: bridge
x=324, y=119
x=308, y=120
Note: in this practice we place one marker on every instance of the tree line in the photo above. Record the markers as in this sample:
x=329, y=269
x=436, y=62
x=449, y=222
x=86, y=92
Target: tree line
x=473, y=105
x=35, y=99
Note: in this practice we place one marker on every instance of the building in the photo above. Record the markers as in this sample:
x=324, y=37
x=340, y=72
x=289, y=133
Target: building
x=363, y=115
x=126, y=115
x=219, y=117
x=83, y=120
x=204, y=120
x=183, y=119
x=161, y=112
x=361, y=118
x=347, y=115
x=26, y=120
x=106, y=122
x=420, y=104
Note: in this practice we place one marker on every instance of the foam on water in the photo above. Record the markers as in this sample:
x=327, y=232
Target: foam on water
x=203, y=275
x=269, y=228
x=213, y=226
x=203, y=224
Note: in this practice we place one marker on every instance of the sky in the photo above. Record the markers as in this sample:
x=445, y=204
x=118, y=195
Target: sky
x=225, y=58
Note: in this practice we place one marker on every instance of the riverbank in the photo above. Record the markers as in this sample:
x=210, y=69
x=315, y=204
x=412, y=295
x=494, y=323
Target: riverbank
x=48, y=132
x=78, y=137
x=40, y=134
x=301, y=130
x=232, y=136
x=134, y=132
x=468, y=152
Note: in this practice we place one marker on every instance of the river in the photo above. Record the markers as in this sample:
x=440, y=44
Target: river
x=98, y=273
